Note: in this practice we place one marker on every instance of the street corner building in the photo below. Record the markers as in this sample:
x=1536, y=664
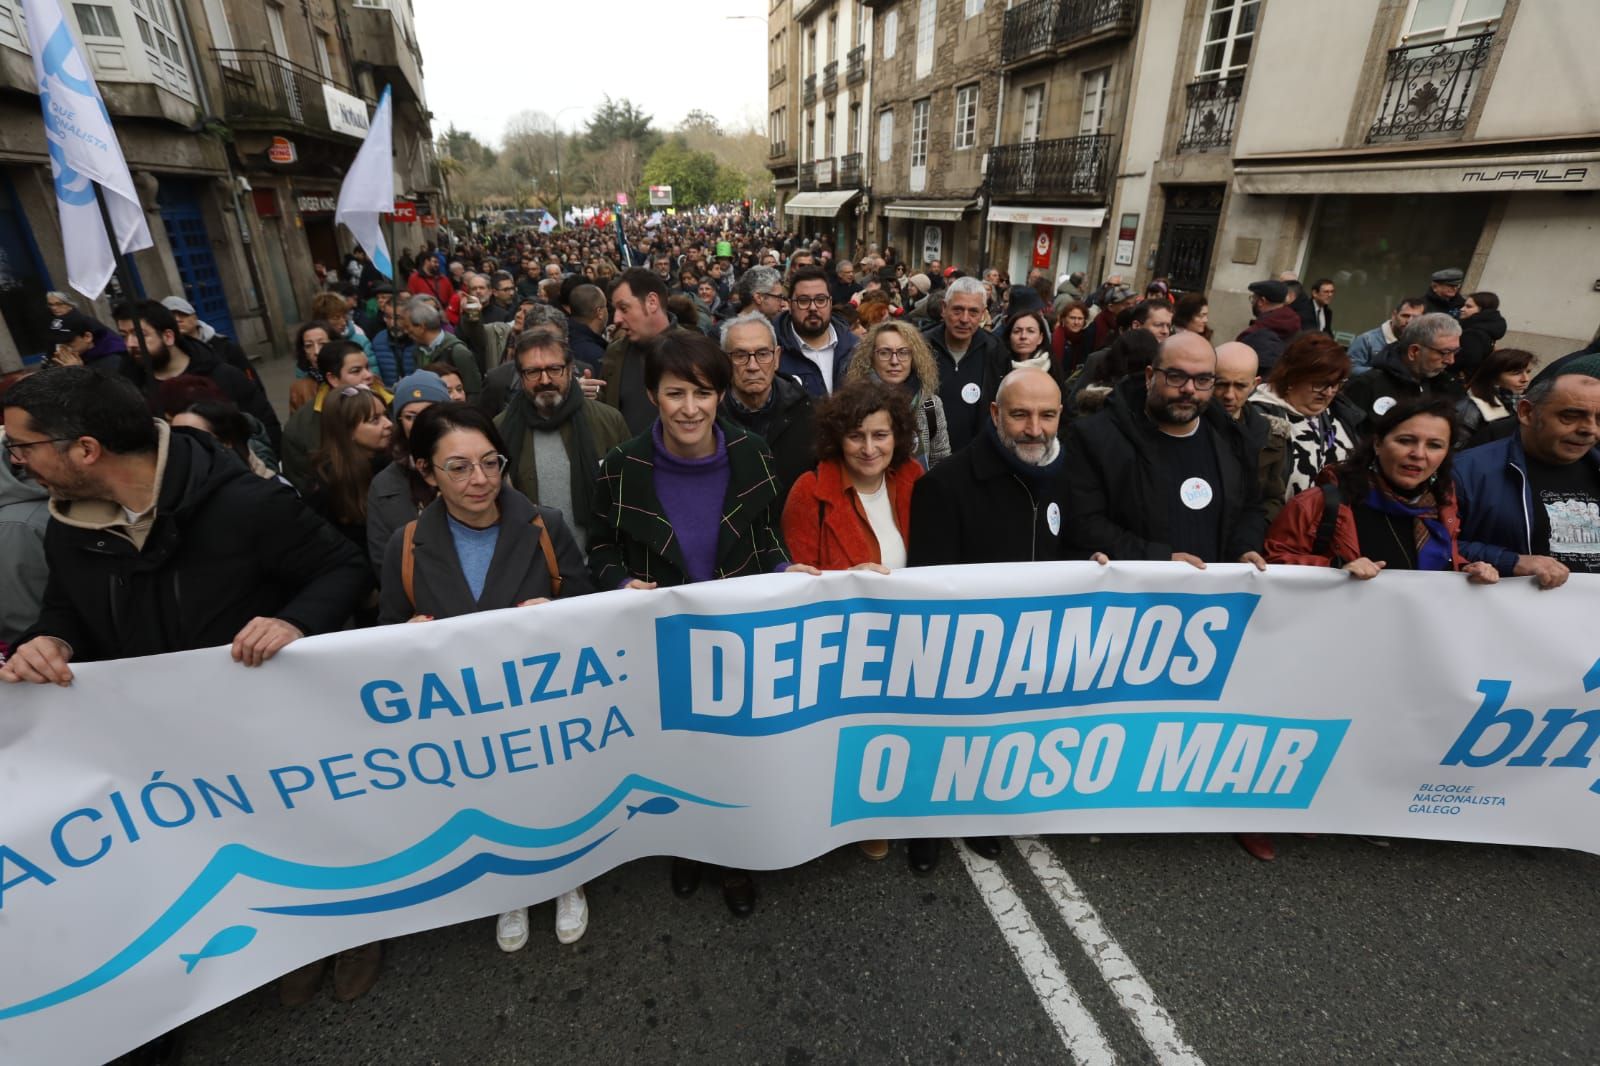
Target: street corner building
x=238, y=122
x=1208, y=142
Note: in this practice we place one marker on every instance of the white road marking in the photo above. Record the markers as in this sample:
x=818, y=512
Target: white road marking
x=1076, y=1026
x=1137, y=998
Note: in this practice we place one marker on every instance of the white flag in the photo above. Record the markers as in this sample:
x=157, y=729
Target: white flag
x=83, y=152
x=368, y=189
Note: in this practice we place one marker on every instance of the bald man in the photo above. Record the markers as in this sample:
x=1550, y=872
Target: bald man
x=1238, y=375
x=1000, y=499
x=1163, y=473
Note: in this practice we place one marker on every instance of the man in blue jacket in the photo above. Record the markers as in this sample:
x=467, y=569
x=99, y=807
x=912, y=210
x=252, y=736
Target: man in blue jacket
x=1530, y=504
x=817, y=344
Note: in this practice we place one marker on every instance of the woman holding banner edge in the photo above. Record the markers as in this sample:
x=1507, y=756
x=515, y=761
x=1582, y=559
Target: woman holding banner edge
x=692, y=499
x=480, y=546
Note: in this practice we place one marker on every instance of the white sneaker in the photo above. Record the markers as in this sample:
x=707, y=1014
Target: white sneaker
x=511, y=931
x=572, y=916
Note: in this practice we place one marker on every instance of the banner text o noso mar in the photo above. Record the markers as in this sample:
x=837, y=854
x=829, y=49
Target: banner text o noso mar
x=371, y=784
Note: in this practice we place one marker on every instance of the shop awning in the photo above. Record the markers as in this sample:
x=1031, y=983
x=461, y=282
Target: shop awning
x=1079, y=217
x=933, y=210
x=819, y=204
x=1543, y=172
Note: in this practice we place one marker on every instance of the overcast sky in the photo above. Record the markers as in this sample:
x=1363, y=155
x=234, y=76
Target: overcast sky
x=486, y=60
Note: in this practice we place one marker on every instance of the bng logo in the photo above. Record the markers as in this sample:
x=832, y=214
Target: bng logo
x=1501, y=734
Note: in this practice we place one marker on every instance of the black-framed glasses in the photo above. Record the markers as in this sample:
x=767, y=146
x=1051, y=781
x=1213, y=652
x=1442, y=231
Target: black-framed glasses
x=804, y=302
x=892, y=355
x=534, y=373
x=780, y=297
x=1204, y=381
x=761, y=356
x=460, y=470
x=1328, y=387
x=18, y=450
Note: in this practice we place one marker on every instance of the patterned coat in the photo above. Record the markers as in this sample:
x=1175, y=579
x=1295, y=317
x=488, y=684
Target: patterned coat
x=632, y=537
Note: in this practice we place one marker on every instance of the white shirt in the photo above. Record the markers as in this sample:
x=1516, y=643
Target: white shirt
x=822, y=357
x=880, y=516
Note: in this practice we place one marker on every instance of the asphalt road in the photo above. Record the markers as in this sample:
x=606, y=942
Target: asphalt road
x=1339, y=952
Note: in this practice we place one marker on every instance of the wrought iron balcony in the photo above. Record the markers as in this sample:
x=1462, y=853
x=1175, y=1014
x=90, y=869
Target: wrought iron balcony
x=850, y=171
x=1208, y=119
x=261, y=87
x=1428, y=88
x=855, y=65
x=1068, y=166
x=830, y=78
x=778, y=149
x=1041, y=25
x=809, y=94
x=808, y=177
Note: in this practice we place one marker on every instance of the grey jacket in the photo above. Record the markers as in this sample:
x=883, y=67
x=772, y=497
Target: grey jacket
x=23, y=515
x=389, y=507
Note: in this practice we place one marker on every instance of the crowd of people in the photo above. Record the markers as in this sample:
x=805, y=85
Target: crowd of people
x=529, y=417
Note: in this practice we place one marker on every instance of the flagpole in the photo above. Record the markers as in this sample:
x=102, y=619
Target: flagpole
x=126, y=277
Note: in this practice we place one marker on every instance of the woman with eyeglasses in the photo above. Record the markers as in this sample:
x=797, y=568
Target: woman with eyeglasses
x=692, y=499
x=1302, y=395
x=895, y=354
x=480, y=546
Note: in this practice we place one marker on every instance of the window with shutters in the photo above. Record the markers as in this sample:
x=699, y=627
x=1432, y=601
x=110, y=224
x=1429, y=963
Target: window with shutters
x=891, y=30
x=966, y=117
x=885, y=134
x=926, y=15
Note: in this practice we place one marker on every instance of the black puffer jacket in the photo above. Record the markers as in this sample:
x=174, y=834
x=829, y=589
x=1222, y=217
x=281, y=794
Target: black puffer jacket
x=1390, y=380
x=1114, y=481
x=227, y=546
x=786, y=425
x=1478, y=336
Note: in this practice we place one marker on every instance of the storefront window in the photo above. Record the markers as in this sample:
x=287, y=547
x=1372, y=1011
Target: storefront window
x=23, y=281
x=1378, y=249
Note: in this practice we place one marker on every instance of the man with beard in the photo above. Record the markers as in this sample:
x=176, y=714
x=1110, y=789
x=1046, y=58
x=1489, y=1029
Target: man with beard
x=427, y=281
x=1162, y=473
x=817, y=344
x=555, y=437
x=1001, y=499
x=170, y=354
x=771, y=406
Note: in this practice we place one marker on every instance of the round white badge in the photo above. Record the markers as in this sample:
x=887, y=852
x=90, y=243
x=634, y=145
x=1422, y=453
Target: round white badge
x=1383, y=405
x=1052, y=518
x=1195, y=493
x=970, y=392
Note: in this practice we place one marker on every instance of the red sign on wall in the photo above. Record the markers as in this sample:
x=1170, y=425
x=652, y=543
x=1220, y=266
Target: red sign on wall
x=1043, y=246
x=405, y=211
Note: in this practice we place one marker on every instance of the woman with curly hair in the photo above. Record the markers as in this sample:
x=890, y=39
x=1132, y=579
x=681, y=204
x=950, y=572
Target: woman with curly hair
x=895, y=354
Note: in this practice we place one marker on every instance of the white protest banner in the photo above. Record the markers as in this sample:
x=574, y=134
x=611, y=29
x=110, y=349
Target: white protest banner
x=177, y=830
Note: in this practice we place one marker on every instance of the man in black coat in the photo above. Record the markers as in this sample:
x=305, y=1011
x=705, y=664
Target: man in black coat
x=1001, y=499
x=1444, y=292
x=160, y=540
x=1415, y=365
x=773, y=407
x=171, y=354
x=1163, y=474
x=972, y=361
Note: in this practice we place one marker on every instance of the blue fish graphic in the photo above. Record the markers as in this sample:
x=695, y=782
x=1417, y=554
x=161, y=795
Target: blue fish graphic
x=234, y=938
x=654, y=805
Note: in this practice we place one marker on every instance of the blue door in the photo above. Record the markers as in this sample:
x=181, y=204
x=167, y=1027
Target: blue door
x=23, y=280
x=191, y=248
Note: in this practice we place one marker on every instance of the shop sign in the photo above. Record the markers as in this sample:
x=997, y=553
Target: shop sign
x=282, y=151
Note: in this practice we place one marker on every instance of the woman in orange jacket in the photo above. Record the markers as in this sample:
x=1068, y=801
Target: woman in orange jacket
x=854, y=510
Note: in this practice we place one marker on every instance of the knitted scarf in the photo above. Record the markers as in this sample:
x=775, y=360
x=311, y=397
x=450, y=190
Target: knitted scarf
x=572, y=422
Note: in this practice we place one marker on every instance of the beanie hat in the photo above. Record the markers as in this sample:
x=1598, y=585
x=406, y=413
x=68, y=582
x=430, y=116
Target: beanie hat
x=416, y=387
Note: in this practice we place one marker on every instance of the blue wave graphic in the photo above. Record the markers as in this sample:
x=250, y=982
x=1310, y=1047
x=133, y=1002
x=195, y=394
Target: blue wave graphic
x=485, y=862
x=237, y=860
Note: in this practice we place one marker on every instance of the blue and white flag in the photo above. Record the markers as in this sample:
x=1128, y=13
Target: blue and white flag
x=83, y=152
x=368, y=189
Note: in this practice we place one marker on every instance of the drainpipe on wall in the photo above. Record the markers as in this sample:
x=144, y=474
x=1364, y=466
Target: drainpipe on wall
x=984, y=188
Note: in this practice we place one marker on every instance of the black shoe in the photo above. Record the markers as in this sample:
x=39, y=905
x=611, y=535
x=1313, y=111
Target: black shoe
x=923, y=854
x=739, y=893
x=988, y=847
x=685, y=877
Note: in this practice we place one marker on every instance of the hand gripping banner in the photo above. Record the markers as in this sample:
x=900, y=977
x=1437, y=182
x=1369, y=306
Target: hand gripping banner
x=370, y=784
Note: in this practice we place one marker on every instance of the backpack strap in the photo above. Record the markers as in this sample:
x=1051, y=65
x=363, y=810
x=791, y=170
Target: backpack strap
x=408, y=562
x=548, y=547
x=1323, y=545
x=932, y=414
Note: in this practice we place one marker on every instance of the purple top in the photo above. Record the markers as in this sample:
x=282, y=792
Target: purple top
x=691, y=492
